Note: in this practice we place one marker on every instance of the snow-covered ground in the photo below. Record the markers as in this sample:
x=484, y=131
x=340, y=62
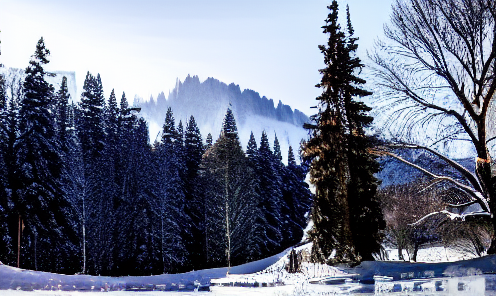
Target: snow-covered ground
x=432, y=254
x=269, y=277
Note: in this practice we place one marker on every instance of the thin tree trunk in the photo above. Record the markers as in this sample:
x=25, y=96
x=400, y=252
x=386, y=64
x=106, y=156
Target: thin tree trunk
x=415, y=251
x=228, y=233
x=19, y=242
x=84, y=238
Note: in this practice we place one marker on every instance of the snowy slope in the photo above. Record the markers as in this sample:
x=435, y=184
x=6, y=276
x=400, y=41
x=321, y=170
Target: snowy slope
x=28, y=280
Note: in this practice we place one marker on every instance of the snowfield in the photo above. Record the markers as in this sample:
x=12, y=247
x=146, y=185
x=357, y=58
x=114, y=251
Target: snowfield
x=269, y=277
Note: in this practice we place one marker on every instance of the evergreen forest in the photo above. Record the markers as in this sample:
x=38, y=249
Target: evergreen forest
x=82, y=190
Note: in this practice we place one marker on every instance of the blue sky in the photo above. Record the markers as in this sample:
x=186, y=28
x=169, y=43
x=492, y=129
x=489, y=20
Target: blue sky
x=141, y=47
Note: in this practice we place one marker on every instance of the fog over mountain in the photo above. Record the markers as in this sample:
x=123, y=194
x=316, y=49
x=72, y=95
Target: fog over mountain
x=16, y=75
x=208, y=101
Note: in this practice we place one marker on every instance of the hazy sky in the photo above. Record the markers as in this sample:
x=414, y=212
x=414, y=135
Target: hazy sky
x=141, y=47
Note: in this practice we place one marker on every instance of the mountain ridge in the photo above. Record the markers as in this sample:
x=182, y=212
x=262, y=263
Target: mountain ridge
x=208, y=101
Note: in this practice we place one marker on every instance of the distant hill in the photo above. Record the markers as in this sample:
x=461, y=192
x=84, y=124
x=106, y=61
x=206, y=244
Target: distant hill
x=208, y=101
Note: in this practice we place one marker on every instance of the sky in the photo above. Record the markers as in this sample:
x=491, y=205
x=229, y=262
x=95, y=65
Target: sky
x=141, y=47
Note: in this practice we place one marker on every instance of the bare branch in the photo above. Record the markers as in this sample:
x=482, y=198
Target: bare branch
x=469, y=190
x=466, y=173
x=399, y=85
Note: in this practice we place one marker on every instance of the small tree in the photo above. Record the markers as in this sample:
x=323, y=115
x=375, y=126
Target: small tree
x=402, y=206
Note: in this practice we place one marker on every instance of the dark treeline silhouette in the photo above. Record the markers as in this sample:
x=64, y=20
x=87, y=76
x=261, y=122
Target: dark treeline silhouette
x=87, y=192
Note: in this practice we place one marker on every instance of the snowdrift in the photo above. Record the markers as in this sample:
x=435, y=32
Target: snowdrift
x=29, y=280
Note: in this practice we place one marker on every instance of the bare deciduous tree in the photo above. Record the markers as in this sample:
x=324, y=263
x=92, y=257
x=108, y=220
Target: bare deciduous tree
x=439, y=72
x=402, y=206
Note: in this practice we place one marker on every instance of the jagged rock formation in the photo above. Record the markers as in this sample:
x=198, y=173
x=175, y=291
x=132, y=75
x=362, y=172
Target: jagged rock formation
x=208, y=101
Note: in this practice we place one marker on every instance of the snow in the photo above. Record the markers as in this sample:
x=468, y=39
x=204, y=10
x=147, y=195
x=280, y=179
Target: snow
x=20, y=279
x=444, y=275
x=432, y=255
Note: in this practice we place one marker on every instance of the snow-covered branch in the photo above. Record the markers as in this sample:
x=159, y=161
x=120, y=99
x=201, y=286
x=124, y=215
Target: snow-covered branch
x=466, y=173
x=469, y=190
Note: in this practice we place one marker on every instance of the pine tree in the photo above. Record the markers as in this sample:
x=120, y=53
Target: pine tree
x=91, y=132
x=193, y=146
x=229, y=127
x=259, y=233
x=252, y=150
x=62, y=105
x=9, y=151
x=297, y=200
x=74, y=181
x=6, y=246
x=345, y=213
x=209, y=142
x=277, y=149
x=231, y=200
x=40, y=202
x=91, y=121
x=291, y=157
x=171, y=197
x=270, y=194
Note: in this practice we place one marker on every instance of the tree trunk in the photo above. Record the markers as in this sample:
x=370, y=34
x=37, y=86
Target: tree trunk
x=483, y=170
x=19, y=242
x=400, y=253
x=415, y=251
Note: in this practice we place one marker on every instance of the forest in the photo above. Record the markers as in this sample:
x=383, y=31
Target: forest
x=82, y=189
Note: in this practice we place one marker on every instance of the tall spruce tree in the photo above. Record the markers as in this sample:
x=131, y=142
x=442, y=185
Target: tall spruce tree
x=38, y=200
x=10, y=133
x=171, y=196
x=6, y=246
x=62, y=104
x=91, y=122
x=231, y=200
x=270, y=184
x=297, y=201
x=193, y=146
x=346, y=213
x=91, y=132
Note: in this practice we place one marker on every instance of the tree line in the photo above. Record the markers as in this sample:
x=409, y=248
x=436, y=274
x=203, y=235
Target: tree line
x=83, y=190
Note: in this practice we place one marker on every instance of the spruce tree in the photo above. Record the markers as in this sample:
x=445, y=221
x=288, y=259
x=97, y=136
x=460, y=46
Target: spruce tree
x=62, y=105
x=270, y=194
x=277, y=149
x=91, y=121
x=291, y=157
x=209, y=142
x=297, y=200
x=171, y=196
x=38, y=200
x=193, y=146
x=231, y=200
x=345, y=213
x=91, y=132
x=252, y=149
x=10, y=133
x=6, y=246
